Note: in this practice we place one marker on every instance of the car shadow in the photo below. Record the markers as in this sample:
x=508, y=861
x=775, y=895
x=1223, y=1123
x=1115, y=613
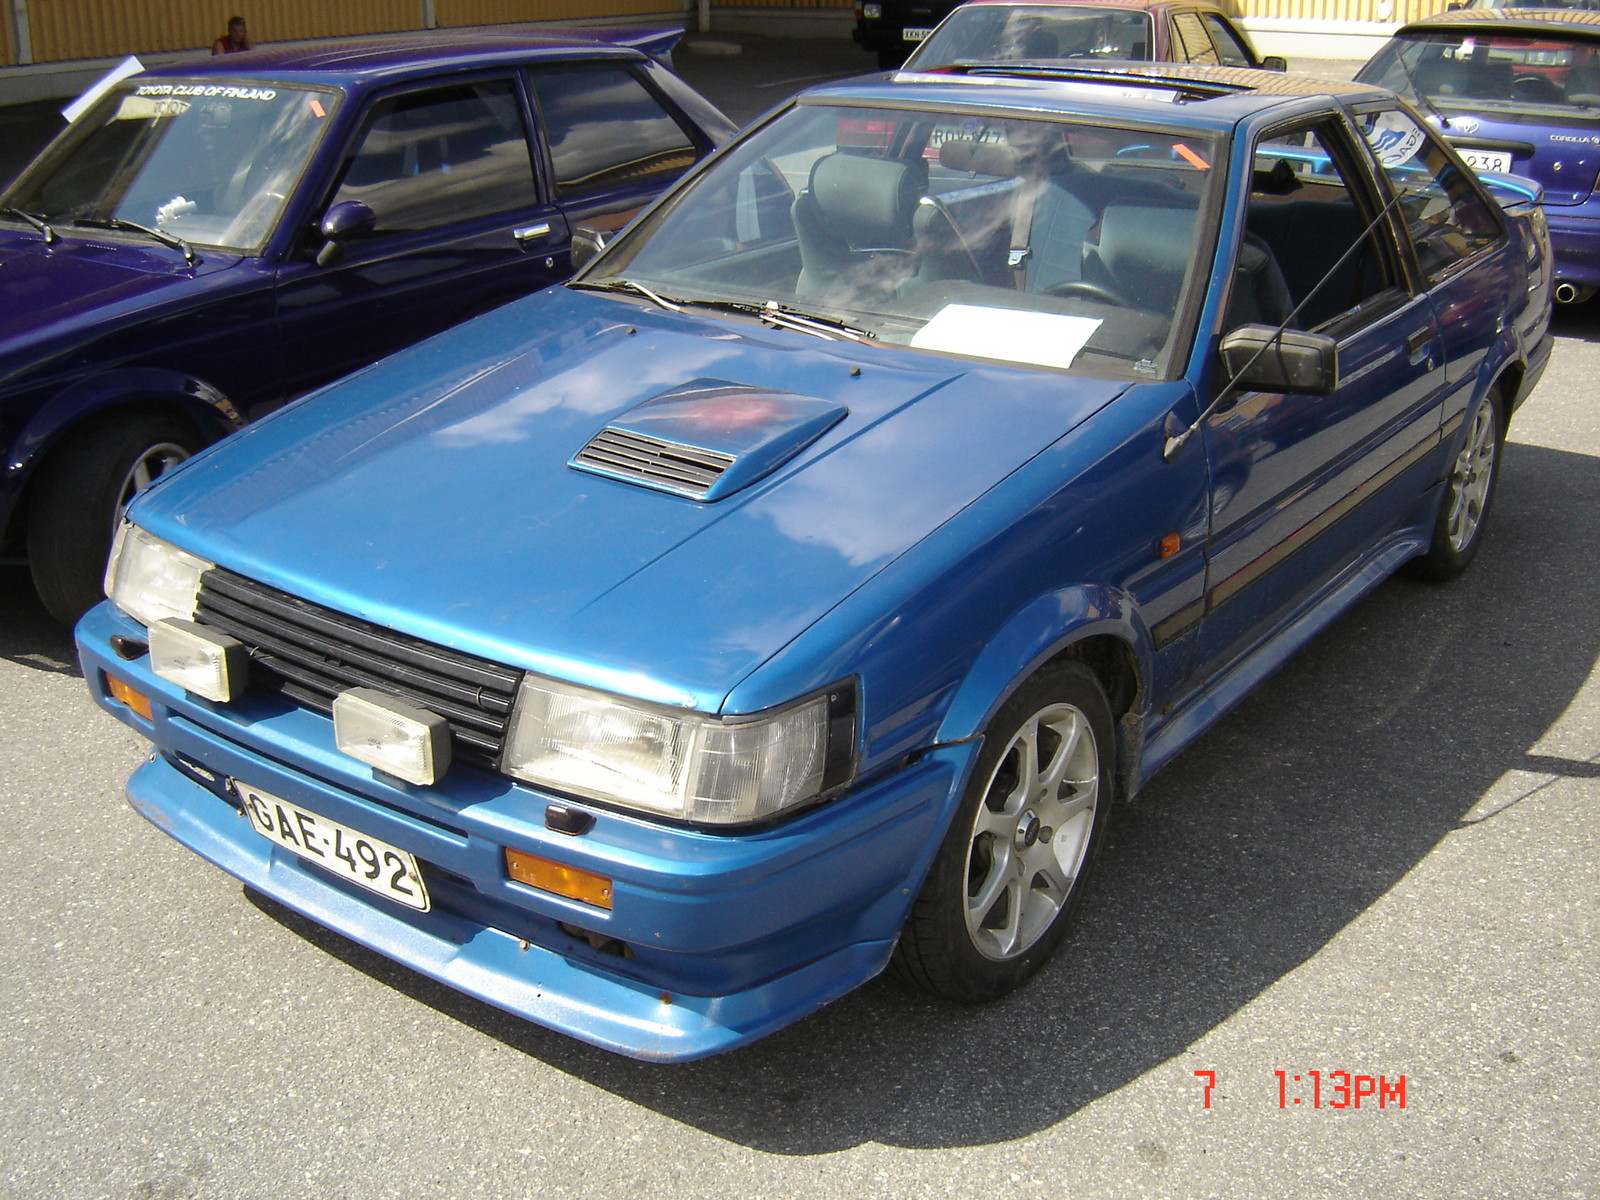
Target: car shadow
x=1237, y=864
x=1581, y=321
x=28, y=636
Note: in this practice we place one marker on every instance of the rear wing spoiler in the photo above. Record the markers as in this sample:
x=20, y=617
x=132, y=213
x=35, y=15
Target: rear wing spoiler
x=657, y=43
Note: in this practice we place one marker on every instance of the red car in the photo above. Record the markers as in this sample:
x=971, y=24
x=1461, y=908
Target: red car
x=1197, y=31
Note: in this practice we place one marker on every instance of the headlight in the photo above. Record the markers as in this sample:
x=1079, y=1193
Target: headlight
x=149, y=579
x=680, y=764
x=872, y=11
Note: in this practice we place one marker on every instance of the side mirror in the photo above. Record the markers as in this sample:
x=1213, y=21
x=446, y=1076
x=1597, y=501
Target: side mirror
x=586, y=243
x=343, y=222
x=1291, y=361
x=1274, y=62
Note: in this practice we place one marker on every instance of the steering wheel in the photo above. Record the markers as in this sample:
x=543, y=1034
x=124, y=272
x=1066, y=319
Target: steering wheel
x=1086, y=288
x=1537, y=89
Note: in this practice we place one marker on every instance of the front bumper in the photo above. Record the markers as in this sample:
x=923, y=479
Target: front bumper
x=713, y=940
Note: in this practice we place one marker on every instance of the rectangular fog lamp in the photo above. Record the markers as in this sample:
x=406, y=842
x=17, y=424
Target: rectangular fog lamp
x=197, y=659
x=391, y=735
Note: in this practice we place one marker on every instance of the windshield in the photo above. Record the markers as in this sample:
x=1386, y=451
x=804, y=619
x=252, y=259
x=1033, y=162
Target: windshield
x=1051, y=243
x=210, y=163
x=1013, y=33
x=1513, y=77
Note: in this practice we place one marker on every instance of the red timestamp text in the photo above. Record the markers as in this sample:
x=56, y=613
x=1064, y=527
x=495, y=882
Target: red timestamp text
x=1325, y=1089
x=1339, y=1089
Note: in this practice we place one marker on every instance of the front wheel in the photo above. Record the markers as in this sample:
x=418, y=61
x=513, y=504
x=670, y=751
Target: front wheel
x=76, y=502
x=1469, y=493
x=1013, y=867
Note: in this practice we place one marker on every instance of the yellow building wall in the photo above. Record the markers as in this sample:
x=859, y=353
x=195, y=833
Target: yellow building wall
x=8, y=52
x=1341, y=10
x=452, y=14
x=68, y=29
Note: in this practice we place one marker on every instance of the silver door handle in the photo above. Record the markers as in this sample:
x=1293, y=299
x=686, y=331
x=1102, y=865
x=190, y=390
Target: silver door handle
x=532, y=233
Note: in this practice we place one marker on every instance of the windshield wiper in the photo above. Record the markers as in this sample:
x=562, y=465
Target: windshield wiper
x=628, y=285
x=160, y=235
x=37, y=222
x=783, y=317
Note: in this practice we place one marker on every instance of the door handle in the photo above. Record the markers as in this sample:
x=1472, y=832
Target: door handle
x=1418, y=343
x=532, y=233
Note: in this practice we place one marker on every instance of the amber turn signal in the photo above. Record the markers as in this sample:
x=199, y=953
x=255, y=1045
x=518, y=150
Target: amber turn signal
x=562, y=880
x=138, y=701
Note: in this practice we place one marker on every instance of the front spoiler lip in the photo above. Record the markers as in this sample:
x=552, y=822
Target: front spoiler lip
x=528, y=981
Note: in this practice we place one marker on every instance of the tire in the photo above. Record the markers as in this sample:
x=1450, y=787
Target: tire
x=76, y=501
x=1468, y=496
x=1003, y=886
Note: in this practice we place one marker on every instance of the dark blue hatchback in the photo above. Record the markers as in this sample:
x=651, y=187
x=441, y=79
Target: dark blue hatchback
x=1516, y=90
x=212, y=239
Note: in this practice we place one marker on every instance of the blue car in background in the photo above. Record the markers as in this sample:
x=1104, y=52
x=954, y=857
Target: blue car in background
x=214, y=238
x=799, y=590
x=1515, y=90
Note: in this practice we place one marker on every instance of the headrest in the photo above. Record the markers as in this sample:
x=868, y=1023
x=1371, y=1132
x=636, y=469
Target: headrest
x=868, y=199
x=1146, y=249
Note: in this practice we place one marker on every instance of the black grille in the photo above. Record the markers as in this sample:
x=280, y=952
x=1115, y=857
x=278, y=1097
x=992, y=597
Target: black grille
x=310, y=654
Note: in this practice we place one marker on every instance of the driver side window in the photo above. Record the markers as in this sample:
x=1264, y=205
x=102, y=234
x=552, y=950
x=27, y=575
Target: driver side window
x=1307, y=248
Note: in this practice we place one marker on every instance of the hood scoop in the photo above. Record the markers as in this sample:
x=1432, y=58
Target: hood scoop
x=707, y=439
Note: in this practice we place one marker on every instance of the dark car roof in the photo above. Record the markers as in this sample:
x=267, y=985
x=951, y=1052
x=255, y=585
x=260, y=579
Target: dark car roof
x=375, y=59
x=1215, y=97
x=1535, y=21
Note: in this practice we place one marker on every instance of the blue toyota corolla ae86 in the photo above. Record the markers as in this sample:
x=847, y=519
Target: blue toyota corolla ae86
x=798, y=591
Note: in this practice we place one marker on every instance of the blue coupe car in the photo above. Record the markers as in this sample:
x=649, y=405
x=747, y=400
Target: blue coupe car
x=214, y=238
x=800, y=590
x=1516, y=90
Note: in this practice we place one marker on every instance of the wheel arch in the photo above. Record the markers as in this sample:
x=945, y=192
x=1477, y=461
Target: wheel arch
x=87, y=402
x=1097, y=626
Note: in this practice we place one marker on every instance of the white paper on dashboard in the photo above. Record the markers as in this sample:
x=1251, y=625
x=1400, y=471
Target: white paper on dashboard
x=1009, y=334
x=128, y=66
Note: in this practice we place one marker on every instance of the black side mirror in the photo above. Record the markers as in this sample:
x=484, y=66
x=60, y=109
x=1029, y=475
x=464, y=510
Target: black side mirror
x=343, y=222
x=1258, y=358
x=1274, y=62
x=586, y=243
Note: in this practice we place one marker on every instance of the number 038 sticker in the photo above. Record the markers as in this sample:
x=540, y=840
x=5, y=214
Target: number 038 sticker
x=358, y=857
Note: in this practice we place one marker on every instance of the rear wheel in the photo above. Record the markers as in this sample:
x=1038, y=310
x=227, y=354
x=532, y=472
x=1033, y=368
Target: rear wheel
x=78, y=498
x=1013, y=867
x=1469, y=493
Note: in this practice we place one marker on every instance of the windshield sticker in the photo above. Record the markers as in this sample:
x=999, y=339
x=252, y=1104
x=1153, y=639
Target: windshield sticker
x=206, y=90
x=1190, y=157
x=1395, y=139
x=317, y=110
x=1008, y=334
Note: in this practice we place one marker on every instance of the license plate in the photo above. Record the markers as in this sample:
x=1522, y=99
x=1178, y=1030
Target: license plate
x=916, y=35
x=1487, y=160
x=358, y=857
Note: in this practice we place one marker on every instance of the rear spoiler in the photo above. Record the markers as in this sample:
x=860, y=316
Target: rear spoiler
x=657, y=43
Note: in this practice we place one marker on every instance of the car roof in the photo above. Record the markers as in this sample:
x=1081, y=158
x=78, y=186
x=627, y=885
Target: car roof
x=1135, y=5
x=378, y=59
x=1538, y=22
x=1212, y=97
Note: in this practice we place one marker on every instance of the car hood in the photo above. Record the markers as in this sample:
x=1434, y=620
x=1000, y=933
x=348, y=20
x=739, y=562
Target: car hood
x=436, y=493
x=48, y=286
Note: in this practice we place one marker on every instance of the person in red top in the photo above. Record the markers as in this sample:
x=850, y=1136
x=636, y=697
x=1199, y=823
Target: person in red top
x=234, y=40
